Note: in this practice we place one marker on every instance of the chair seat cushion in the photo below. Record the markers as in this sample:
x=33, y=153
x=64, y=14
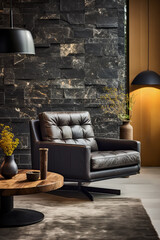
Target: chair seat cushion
x=112, y=159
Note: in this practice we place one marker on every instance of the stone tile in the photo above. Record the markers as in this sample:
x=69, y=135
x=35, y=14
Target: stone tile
x=57, y=93
x=83, y=33
x=68, y=83
x=73, y=18
x=72, y=73
x=104, y=3
x=71, y=49
x=71, y=5
x=102, y=18
x=1, y=98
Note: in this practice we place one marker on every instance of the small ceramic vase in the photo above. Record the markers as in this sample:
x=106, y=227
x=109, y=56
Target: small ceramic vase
x=9, y=167
x=126, y=131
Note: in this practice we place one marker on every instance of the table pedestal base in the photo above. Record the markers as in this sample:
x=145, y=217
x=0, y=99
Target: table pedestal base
x=16, y=217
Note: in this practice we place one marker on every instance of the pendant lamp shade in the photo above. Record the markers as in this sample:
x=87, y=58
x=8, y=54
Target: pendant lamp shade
x=16, y=40
x=147, y=78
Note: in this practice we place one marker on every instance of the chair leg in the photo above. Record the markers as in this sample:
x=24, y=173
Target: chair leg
x=86, y=190
x=103, y=190
x=87, y=193
x=68, y=187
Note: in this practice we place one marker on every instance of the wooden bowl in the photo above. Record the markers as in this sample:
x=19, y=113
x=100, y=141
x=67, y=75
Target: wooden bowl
x=33, y=175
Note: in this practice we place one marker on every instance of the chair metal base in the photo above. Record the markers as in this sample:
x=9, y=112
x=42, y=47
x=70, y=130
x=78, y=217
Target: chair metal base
x=86, y=190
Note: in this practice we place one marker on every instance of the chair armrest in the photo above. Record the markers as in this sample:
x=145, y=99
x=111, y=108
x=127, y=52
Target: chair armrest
x=109, y=144
x=72, y=161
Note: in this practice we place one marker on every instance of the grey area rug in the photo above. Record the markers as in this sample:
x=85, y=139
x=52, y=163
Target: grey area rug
x=77, y=218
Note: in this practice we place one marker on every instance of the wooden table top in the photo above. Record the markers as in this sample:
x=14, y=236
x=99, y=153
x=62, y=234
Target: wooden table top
x=19, y=185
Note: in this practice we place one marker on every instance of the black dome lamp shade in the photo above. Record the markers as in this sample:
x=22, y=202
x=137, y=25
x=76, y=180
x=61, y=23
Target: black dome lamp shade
x=16, y=40
x=147, y=77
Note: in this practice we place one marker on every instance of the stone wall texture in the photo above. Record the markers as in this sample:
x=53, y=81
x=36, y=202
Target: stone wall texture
x=80, y=48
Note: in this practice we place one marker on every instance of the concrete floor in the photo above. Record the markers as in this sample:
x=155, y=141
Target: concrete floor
x=145, y=186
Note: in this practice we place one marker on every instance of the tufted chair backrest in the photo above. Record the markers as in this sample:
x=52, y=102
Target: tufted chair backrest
x=68, y=127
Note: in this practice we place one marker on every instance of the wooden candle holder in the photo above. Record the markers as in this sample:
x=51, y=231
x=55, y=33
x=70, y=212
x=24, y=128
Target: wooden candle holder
x=43, y=162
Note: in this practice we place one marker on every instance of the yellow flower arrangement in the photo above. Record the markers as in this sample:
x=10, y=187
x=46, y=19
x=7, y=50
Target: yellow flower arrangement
x=7, y=141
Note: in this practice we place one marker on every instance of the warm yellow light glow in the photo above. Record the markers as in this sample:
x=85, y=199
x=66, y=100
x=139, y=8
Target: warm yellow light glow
x=146, y=120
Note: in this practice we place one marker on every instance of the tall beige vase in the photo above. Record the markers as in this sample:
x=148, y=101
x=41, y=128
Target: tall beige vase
x=126, y=131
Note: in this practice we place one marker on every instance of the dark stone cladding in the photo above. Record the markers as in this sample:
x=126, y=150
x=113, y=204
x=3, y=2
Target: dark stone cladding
x=79, y=49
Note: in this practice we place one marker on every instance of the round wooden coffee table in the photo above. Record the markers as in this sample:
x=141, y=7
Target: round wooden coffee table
x=19, y=185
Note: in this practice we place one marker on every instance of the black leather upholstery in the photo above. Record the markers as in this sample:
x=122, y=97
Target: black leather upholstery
x=108, y=144
x=68, y=127
x=72, y=157
x=113, y=159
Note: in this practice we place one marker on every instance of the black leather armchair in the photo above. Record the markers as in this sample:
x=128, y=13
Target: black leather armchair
x=75, y=153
